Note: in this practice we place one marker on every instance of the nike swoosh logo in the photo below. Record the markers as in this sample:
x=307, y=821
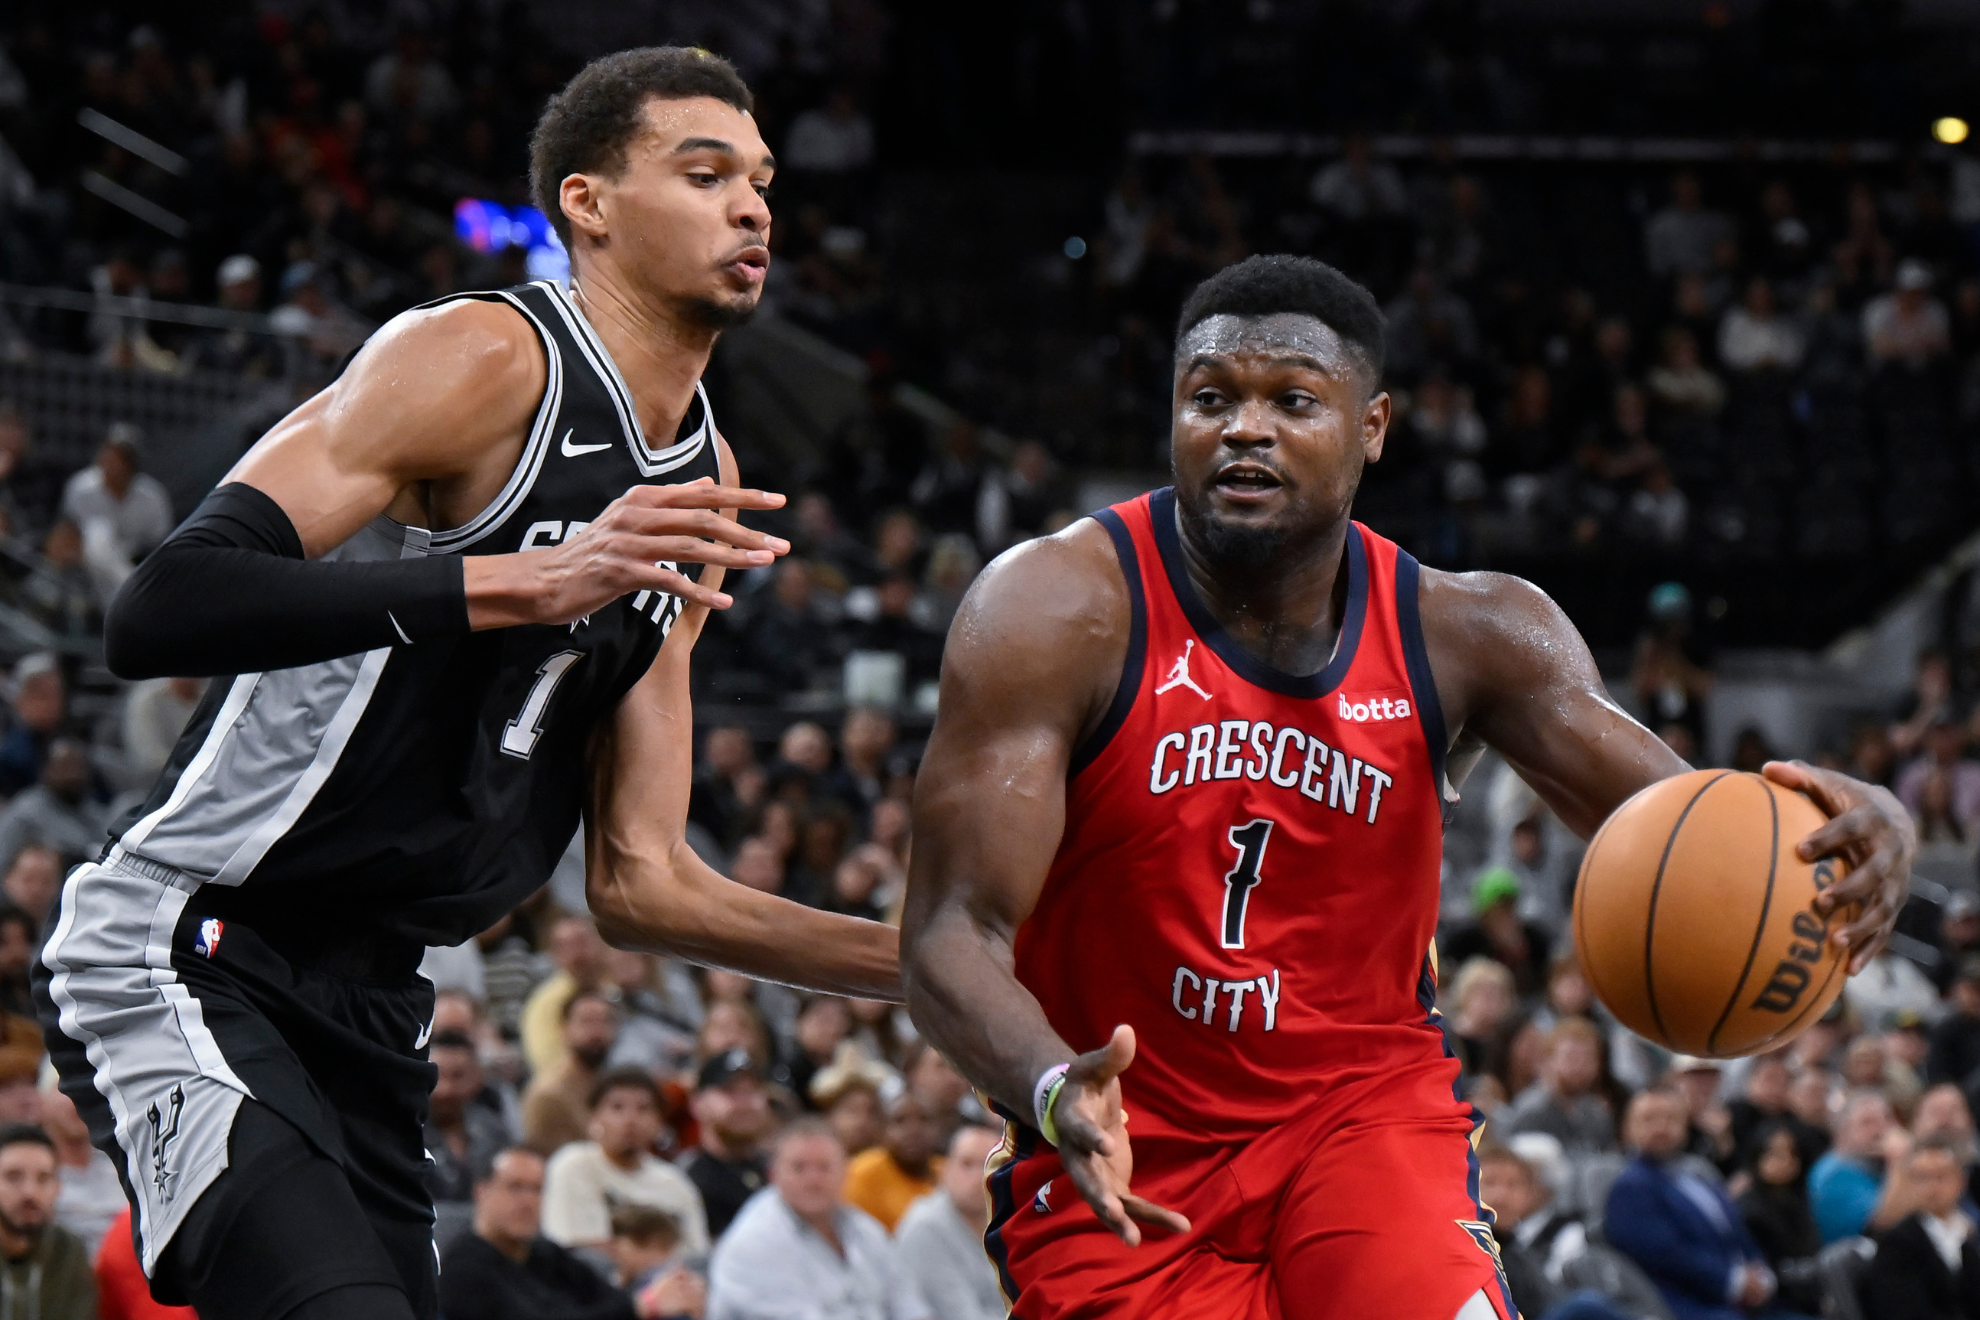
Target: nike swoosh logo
x=425, y=1034
x=572, y=451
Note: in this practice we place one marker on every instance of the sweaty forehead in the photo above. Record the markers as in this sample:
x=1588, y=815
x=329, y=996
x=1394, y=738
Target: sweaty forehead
x=1281, y=334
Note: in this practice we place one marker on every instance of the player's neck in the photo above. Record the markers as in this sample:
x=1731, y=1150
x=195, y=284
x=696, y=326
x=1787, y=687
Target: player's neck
x=659, y=352
x=1286, y=613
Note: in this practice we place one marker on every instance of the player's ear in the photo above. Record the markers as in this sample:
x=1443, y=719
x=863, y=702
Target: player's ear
x=1375, y=426
x=583, y=204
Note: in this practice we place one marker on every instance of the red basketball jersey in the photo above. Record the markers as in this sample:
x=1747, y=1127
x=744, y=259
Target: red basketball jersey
x=1249, y=872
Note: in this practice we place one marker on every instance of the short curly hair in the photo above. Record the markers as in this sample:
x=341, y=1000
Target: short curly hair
x=1265, y=285
x=585, y=128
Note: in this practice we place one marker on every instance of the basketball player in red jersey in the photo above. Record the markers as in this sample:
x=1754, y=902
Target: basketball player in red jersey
x=1183, y=808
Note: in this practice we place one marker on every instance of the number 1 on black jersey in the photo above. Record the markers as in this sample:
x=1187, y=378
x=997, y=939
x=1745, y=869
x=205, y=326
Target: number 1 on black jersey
x=1250, y=841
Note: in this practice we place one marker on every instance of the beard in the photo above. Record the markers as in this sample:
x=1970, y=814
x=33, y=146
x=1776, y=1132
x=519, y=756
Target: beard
x=591, y=1056
x=1239, y=547
x=31, y=1232
x=718, y=316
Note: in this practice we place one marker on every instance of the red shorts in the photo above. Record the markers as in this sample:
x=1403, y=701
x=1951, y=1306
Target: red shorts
x=1365, y=1207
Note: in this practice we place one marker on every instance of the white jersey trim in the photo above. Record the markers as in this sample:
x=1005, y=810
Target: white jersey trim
x=650, y=461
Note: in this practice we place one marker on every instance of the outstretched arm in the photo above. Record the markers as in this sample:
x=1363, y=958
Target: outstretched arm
x=1514, y=675
x=1031, y=665
x=431, y=415
x=649, y=890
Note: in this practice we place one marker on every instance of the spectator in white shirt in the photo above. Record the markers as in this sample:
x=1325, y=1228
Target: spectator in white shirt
x=1907, y=325
x=1754, y=336
x=941, y=1237
x=617, y=1166
x=156, y=712
x=799, y=1252
x=112, y=494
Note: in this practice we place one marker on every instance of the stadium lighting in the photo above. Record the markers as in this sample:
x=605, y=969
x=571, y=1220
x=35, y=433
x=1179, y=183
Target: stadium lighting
x=1950, y=130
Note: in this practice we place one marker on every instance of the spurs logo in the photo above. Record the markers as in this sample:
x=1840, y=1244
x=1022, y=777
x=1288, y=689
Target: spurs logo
x=1179, y=673
x=164, y=1131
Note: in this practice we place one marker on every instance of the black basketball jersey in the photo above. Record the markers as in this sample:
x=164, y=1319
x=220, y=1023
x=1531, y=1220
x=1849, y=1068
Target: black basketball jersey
x=427, y=789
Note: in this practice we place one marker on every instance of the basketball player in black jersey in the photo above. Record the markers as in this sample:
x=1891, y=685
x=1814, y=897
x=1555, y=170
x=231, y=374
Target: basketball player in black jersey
x=448, y=603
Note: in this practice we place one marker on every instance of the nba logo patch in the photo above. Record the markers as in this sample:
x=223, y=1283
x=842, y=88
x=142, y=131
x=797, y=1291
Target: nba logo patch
x=208, y=942
x=1039, y=1204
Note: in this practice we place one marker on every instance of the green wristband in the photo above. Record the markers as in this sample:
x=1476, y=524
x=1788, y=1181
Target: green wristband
x=1046, y=1125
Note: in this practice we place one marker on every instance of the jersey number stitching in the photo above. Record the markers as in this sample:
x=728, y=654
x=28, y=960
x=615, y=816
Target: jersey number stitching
x=519, y=735
x=1250, y=841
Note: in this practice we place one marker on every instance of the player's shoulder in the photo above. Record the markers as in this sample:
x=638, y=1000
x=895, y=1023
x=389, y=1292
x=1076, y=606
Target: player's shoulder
x=1481, y=604
x=1044, y=612
x=473, y=345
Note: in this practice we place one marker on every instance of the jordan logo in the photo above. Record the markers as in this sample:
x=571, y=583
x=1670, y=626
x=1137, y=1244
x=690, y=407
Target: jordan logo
x=1179, y=673
x=164, y=1131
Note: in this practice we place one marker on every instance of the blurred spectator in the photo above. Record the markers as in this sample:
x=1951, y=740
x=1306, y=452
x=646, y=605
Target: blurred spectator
x=1907, y=326
x=617, y=1166
x=941, y=1089
x=1554, y=1270
x=1943, y=1111
x=462, y=1137
x=505, y=1270
x=113, y=499
x=1774, y=1208
x=1846, y=1187
x=1944, y=762
x=58, y=812
x=122, y=1291
x=60, y=589
x=1928, y=704
x=1357, y=187
x=727, y=783
x=731, y=1108
x=91, y=1193
x=800, y=1239
x=1764, y=1101
x=41, y=1263
x=237, y=352
x=1954, y=1055
x=557, y=1105
x=1754, y=336
x=1482, y=998
x=1959, y=938
x=579, y=955
x=156, y=712
x=895, y=627
x=786, y=641
x=940, y=1239
x=833, y=139
x=848, y=1093
x=1927, y=1265
x=40, y=701
x=1890, y=987
x=32, y=880
x=1565, y=1103
x=1679, y=382
x=1022, y=498
x=903, y=1168
x=646, y=1251
x=1665, y=676
x=823, y=1023
x=659, y=1012
x=1678, y=239
x=1683, y=1231
x=20, y=941
x=1428, y=324
x=1708, y=1123
x=1496, y=932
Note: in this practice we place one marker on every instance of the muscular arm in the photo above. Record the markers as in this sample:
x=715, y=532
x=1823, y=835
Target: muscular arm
x=649, y=890
x=1514, y=675
x=427, y=424
x=1031, y=664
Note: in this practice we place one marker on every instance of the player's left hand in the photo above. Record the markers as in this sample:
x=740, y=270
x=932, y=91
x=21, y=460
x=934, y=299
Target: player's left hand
x=1093, y=1141
x=1868, y=828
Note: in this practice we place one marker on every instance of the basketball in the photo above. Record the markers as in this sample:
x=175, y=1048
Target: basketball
x=1695, y=918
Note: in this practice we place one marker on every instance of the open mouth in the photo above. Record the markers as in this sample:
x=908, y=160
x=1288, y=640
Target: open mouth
x=1246, y=481
x=751, y=263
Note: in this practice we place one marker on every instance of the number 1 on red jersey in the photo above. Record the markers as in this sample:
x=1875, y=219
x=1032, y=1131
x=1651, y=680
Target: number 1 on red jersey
x=1250, y=841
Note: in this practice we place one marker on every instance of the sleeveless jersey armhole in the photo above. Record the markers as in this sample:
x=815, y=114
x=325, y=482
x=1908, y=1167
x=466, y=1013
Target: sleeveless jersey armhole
x=1130, y=680
x=1416, y=659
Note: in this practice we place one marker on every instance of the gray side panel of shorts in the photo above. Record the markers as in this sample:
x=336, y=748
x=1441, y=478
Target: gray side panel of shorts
x=274, y=742
x=152, y=1056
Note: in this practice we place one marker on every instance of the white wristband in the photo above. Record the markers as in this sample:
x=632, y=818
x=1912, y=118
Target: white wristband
x=1041, y=1091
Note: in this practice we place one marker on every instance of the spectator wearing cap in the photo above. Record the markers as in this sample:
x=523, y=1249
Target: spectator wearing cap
x=903, y=1168
x=40, y=703
x=1927, y=1266
x=1907, y=326
x=44, y=1268
x=111, y=494
x=1565, y=1103
x=731, y=1107
x=461, y=1136
x=59, y=812
x=1681, y=1230
x=238, y=352
x=799, y=1239
x=557, y=1105
x=617, y=1166
x=940, y=1239
x=1497, y=932
x=507, y=1270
